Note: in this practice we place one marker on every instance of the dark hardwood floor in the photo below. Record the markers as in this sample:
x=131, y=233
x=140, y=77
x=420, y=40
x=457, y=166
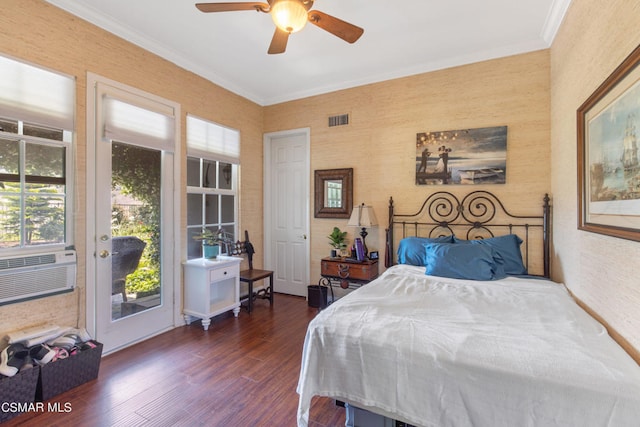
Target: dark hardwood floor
x=241, y=372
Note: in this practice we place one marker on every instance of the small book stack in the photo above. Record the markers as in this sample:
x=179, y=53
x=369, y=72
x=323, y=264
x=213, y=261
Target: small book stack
x=359, y=249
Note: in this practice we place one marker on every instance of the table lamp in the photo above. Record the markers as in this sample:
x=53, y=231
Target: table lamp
x=363, y=216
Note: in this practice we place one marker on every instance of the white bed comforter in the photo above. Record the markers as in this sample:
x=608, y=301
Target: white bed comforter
x=445, y=352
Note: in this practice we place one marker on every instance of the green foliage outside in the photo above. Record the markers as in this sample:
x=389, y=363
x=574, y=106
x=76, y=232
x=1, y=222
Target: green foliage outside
x=136, y=172
x=44, y=203
x=146, y=279
x=44, y=215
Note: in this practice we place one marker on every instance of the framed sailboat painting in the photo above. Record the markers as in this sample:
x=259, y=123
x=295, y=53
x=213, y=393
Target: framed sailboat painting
x=609, y=154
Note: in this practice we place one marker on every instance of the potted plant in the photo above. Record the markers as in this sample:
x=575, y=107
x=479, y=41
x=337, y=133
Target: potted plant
x=210, y=242
x=338, y=241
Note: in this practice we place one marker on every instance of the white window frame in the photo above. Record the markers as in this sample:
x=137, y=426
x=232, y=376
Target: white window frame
x=224, y=150
x=33, y=95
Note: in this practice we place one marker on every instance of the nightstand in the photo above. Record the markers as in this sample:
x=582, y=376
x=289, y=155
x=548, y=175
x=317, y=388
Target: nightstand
x=211, y=287
x=347, y=274
x=349, y=269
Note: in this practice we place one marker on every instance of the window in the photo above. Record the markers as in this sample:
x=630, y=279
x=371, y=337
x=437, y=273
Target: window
x=212, y=168
x=36, y=123
x=334, y=194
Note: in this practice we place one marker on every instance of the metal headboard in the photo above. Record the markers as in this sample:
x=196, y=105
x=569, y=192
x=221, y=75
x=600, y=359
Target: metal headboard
x=479, y=214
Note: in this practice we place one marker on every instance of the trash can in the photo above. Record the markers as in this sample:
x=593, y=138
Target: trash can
x=317, y=296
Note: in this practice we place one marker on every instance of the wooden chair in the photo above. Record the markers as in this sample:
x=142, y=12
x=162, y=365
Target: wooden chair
x=252, y=275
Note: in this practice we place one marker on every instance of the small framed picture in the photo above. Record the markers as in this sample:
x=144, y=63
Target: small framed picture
x=373, y=255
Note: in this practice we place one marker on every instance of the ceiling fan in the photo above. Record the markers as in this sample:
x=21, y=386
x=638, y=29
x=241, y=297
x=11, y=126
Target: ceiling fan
x=290, y=16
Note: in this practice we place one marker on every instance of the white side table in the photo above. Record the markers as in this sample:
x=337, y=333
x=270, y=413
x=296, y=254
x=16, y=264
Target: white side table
x=211, y=287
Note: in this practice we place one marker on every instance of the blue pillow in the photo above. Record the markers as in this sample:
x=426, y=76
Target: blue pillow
x=472, y=262
x=411, y=249
x=508, y=247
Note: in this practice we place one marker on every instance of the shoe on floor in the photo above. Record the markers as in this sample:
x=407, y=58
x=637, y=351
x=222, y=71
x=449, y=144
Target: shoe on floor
x=41, y=354
x=12, y=358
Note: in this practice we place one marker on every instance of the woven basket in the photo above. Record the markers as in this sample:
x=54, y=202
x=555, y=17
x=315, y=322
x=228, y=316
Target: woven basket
x=65, y=374
x=20, y=388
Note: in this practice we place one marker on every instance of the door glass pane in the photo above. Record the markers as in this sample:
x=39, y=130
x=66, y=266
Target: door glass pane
x=135, y=230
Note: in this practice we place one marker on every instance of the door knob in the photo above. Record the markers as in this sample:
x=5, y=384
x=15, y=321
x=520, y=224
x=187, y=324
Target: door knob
x=104, y=253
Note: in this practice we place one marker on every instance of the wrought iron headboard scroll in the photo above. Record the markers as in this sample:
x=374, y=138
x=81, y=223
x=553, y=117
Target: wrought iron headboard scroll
x=479, y=214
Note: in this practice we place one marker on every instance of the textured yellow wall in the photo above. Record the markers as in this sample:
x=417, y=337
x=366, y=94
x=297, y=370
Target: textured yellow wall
x=379, y=142
x=34, y=31
x=602, y=271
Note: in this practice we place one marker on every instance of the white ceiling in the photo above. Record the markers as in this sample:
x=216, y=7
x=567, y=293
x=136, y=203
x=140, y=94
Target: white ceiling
x=401, y=37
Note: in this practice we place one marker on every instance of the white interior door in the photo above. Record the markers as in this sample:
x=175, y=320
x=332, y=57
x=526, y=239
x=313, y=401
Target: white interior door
x=287, y=209
x=132, y=265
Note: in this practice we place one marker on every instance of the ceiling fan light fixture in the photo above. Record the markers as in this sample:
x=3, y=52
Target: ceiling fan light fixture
x=289, y=15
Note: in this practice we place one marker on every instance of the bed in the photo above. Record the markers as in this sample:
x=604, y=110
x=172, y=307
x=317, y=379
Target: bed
x=430, y=350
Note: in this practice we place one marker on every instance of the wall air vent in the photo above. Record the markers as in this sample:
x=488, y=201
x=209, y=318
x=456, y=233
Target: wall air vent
x=34, y=276
x=339, y=120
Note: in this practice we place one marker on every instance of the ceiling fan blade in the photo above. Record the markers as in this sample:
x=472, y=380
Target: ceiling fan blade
x=339, y=28
x=232, y=7
x=278, y=42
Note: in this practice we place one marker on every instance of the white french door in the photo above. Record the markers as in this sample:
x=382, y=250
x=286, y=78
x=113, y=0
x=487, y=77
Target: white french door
x=287, y=209
x=131, y=262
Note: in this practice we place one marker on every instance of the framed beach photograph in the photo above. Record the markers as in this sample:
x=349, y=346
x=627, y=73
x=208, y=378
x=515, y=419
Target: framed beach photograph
x=608, y=154
x=464, y=156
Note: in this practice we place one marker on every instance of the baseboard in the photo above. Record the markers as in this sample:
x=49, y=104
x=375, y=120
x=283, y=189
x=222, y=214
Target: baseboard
x=622, y=341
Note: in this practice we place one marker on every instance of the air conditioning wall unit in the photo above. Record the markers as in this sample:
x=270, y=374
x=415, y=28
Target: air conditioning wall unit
x=37, y=275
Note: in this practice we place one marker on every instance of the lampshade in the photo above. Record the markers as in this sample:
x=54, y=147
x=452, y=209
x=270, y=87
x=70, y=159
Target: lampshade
x=362, y=216
x=289, y=15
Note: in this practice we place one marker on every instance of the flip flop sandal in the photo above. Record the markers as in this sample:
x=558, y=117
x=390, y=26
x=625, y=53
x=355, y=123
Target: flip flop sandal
x=60, y=353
